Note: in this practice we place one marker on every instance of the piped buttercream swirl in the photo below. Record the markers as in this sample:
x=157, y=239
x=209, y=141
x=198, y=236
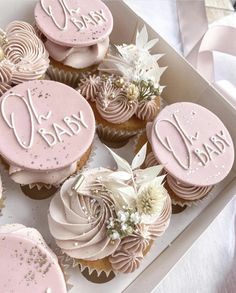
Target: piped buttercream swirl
x=125, y=261
x=161, y=224
x=78, y=220
x=89, y=87
x=26, y=51
x=148, y=110
x=78, y=57
x=113, y=105
x=185, y=191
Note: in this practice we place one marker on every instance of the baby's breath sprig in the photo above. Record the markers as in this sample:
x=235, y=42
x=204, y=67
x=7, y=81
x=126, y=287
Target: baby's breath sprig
x=147, y=90
x=124, y=224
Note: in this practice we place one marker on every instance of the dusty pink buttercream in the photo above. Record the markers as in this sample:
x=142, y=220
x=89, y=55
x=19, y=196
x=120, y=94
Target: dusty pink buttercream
x=27, y=263
x=46, y=126
x=75, y=22
x=192, y=143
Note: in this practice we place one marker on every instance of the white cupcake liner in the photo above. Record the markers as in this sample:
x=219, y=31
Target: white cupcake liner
x=98, y=271
x=39, y=186
x=63, y=76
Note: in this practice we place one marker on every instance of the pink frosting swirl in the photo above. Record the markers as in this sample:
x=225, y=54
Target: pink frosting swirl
x=25, y=51
x=150, y=160
x=78, y=221
x=5, y=71
x=159, y=227
x=89, y=87
x=4, y=87
x=78, y=57
x=138, y=241
x=185, y=191
x=113, y=105
x=125, y=261
x=147, y=110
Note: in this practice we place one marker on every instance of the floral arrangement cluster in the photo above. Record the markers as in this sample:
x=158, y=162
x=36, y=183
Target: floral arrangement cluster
x=139, y=195
x=129, y=72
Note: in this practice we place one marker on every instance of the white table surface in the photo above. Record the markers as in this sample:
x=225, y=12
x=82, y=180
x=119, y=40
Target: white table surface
x=210, y=265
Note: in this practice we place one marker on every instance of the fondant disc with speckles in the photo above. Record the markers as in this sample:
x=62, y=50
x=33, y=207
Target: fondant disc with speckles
x=193, y=144
x=71, y=23
x=44, y=126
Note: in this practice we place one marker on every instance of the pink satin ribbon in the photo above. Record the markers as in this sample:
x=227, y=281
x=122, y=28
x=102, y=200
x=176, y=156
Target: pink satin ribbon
x=199, y=43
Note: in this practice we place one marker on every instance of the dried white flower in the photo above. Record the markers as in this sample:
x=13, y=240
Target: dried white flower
x=150, y=201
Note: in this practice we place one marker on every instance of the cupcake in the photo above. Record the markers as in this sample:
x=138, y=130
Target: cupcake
x=125, y=95
x=76, y=35
x=44, y=141
x=29, y=264
x=107, y=220
x=195, y=149
x=22, y=55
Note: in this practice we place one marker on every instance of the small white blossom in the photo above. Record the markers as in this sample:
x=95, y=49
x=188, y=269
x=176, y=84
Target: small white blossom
x=115, y=235
x=123, y=216
x=135, y=218
x=111, y=224
x=124, y=227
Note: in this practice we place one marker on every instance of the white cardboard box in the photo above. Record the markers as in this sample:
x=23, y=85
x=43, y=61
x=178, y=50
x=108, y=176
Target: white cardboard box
x=183, y=84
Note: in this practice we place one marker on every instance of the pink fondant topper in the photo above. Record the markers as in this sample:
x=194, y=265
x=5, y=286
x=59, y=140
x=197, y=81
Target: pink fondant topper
x=73, y=23
x=28, y=267
x=46, y=125
x=193, y=144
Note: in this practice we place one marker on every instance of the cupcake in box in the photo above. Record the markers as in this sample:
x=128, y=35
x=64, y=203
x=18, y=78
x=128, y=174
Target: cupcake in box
x=29, y=264
x=107, y=220
x=44, y=140
x=126, y=93
x=76, y=35
x=195, y=149
x=23, y=56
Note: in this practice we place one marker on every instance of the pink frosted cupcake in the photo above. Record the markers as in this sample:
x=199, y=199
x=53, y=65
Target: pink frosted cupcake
x=29, y=264
x=44, y=141
x=125, y=95
x=106, y=221
x=195, y=149
x=76, y=35
x=22, y=55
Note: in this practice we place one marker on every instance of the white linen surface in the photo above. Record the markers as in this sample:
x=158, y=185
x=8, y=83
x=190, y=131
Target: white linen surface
x=210, y=265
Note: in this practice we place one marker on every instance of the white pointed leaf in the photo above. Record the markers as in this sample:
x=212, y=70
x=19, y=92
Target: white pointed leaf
x=128, y=193
x=150, y=44
x=159, y=180
x=124, y=196
x=143, y=176
x=122, y=164
x=120, y=175
x=142, y=38
x=156, y=57
x=112, y=185
x=139, y=158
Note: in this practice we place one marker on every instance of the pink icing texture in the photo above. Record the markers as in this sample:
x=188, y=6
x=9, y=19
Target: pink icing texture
x=46, y=126
x=29, y=266
x=192, y=143
x=73, y=23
